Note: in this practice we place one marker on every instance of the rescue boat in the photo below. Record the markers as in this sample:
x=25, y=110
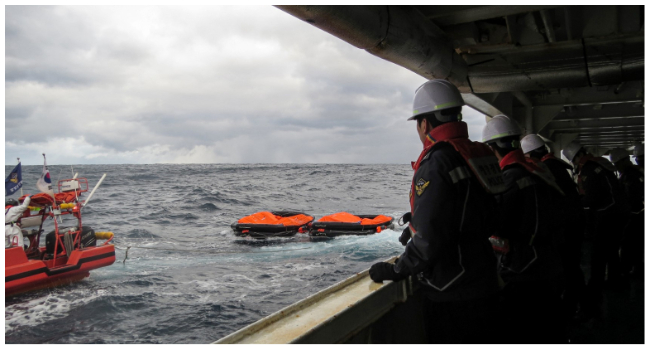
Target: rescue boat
x=348, y=224
x=272, y=224
x=70, y=252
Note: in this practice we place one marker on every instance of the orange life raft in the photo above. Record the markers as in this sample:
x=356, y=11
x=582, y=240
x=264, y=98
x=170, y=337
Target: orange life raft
x=347, y=224
x=272, y=224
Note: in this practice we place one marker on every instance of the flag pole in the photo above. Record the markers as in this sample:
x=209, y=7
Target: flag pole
x=21, y=187
x=57, y=212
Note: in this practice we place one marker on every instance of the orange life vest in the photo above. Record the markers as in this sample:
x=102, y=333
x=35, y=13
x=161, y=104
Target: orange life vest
x=480, y=159
x=533, y=166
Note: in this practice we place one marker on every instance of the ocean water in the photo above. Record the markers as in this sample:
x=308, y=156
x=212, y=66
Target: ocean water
x=188, y=278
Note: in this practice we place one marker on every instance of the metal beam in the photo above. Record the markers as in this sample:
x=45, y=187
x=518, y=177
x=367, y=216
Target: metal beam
x=597, y=123
x=548, y=25
x=482, y=104
x=542, y=115
x=611, y=111
x=629, y=139
x=632, y=92
x=635, y=133
x=466, y=15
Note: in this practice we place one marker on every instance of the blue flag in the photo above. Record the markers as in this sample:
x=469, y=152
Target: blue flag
x=14, y=181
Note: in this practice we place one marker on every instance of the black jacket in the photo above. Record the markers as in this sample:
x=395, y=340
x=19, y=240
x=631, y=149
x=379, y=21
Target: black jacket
x=603, y=191
x=632, y=183
x=527, y=220
x=570, y=206
x=452, y=218
x=560, y=170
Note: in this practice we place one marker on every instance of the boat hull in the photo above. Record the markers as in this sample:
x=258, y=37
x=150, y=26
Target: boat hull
x=22, y=274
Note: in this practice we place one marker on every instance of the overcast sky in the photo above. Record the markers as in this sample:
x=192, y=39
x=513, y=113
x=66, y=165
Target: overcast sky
x=199, y=84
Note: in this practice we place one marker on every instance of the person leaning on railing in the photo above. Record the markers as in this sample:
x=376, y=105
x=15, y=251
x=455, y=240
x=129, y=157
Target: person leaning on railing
x=13, y=212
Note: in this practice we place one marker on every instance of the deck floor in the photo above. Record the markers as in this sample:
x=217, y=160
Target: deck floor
x=621, y=317
x=620, y=320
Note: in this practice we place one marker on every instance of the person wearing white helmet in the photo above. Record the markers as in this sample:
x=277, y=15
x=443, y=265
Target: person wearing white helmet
x=575, y=153
x=607, y=214
x=532, y=267
x=571, y=218
x=639, y=155
x=631, y=179
x=13, y=213
x=452, y=216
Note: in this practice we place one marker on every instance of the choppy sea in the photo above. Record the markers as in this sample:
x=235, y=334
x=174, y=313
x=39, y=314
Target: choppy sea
x=201, y=282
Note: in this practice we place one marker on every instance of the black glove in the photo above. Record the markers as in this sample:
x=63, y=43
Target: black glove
x=383, y=271
x=406, y=235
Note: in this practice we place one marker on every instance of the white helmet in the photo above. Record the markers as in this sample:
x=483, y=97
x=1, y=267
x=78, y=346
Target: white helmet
x=531, y=142
x=499, y=127
x=571, y=150
x=436, y=95
x=638, y=150
x=617, y=154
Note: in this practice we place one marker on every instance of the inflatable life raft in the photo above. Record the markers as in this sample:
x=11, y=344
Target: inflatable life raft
x=272, y=224
x=348, y=224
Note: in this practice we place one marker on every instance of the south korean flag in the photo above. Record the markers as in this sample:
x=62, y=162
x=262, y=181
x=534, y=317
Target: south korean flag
x=44, y=184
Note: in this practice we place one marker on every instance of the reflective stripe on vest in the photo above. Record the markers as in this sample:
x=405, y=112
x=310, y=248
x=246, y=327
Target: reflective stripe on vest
x=483, y=163
x=459, y=173
x=525, y=182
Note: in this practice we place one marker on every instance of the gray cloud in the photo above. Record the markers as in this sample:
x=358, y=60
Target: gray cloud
x=198, y=84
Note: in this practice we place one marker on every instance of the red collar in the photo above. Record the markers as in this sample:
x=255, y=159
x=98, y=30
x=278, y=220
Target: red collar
x=516, y=156
x=587, y=157
x=446, y=131
x=548, y=155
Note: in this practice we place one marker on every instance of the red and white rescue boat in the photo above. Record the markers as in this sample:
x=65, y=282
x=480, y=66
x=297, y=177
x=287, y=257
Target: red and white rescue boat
x=70, y=252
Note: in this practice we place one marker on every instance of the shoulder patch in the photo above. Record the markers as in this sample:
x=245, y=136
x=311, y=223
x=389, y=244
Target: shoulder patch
x=598, y=170
x=420, y=186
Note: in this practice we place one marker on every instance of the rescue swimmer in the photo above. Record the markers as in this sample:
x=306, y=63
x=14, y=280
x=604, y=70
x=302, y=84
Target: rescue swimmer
x=529, y=262
x=453, y=212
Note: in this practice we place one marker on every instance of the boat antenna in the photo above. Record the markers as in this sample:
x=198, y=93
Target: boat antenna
x=93, y=192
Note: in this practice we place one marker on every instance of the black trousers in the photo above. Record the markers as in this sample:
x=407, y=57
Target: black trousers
x=532, y=313
x=606, y=243
x=462, y=322
x=571, y=250
x=633, y=245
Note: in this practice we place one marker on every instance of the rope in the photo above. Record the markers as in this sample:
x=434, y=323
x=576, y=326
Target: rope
x=126, y=255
